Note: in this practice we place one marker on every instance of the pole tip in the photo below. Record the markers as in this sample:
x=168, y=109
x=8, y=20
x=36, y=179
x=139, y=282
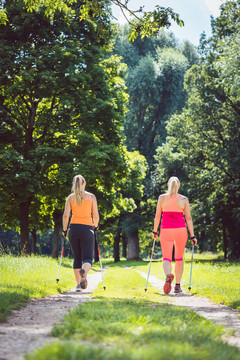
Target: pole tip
x=57, y=280
x=189, y=288
x=104, y=287
x=145, y=290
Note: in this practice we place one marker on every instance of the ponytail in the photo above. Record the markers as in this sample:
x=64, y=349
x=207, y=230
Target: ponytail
x=77, y=188
x=173, y=184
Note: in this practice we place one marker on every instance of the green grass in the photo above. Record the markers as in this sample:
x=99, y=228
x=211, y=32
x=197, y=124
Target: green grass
x=23, y=278
x=211, y=277
x=124, y=323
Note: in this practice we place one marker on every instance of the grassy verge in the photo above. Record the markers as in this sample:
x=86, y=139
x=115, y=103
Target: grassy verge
x=211, y=277
x=23, y=278
x=124, y=323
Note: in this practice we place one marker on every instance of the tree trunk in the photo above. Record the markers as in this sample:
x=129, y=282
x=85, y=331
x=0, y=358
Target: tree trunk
x=57, y=218
x=124, y=246
x=24, y=226
x=235, y=243
x=133, y=245
x=225, y=242
x=116, y=254
x=34, y=241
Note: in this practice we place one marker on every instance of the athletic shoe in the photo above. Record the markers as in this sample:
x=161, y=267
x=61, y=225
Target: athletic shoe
x=83, y=281
x=167, y=286
x=177, y=289
x=78, y=288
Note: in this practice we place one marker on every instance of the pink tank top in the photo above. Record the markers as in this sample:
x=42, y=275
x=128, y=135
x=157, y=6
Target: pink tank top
x=172, y=215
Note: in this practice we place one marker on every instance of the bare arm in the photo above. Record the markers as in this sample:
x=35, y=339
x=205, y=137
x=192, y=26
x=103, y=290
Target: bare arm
x=95, y=213
x=157, y=215
x=66, y=214
x=188, y=218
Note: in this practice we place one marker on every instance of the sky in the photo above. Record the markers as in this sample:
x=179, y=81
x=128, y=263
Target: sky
x=195, y=14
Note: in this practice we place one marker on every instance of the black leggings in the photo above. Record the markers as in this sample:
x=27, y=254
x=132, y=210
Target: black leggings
x=81, y=238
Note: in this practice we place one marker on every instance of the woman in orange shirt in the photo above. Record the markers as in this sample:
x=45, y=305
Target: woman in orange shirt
x=85, y=218
x=171, y=207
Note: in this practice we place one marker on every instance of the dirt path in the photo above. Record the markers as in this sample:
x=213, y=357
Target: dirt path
x=220, y=314
x=30, y=327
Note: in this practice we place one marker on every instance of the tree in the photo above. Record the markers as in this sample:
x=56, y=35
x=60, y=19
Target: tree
x=205, y=138
x=124, y=221
x=62, y=103
x=155, y=77
x=156, y=91
x=134, y=188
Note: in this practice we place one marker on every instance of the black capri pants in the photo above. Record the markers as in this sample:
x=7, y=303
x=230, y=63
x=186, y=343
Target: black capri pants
x=81, y=238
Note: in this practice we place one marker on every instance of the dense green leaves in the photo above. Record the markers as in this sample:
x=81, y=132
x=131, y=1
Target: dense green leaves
x=154, y=82
x=141, y=23
x=62, y=102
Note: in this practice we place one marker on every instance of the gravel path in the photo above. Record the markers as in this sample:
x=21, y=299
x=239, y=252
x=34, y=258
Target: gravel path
x=30, y=327
x=220, y=314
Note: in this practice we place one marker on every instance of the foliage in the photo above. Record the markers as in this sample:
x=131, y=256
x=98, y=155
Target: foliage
x=62, y=103
x=155, y=76
x=204, y=140
x=124, y=218
x=9, y=242
x=146, y=25
x=151, y=22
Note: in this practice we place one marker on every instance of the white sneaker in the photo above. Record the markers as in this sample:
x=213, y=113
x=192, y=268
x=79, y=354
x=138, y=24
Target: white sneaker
x=78, y=288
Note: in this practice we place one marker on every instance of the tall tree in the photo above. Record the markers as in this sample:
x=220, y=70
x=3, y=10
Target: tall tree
x=62, y=105
x=156, y=91
x=155, y=77
x=205, y=137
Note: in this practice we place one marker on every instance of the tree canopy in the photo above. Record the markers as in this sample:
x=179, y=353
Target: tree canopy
x=143, y=23
x=155, y=77
x=62, y=102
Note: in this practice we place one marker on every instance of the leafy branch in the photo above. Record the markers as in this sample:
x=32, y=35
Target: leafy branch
x=146, y=24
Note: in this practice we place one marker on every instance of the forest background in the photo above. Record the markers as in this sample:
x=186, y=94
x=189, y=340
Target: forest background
x=79, y=97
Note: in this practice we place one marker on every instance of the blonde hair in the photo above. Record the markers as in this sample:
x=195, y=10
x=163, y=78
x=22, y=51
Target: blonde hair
x=77, y=188
x=173, y=184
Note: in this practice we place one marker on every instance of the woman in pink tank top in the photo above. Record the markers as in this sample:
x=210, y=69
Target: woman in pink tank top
x=172, y=206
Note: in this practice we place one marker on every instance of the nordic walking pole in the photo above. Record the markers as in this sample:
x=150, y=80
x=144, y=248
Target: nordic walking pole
x=150, y=264
x=95, y=235
x=64, y=238
x=189, y=288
